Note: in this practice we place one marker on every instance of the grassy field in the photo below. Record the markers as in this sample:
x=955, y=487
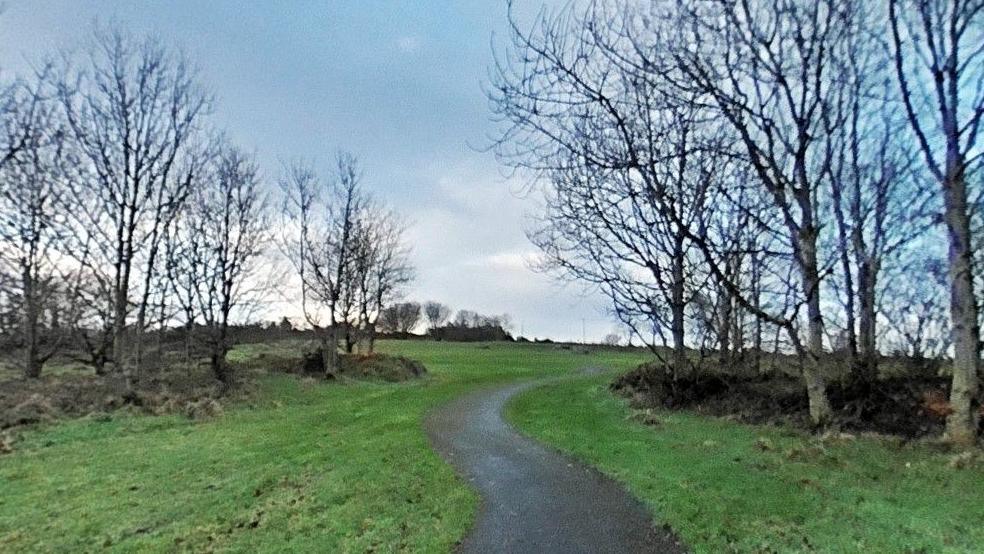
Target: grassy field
x=305, y=466
x=310, y=466
x=724, y=486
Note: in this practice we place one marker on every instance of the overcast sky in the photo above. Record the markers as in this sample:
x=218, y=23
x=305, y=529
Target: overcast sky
x=397, y=83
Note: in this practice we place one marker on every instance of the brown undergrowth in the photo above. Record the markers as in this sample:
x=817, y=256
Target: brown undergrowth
x=193, y=392
x=909, y=407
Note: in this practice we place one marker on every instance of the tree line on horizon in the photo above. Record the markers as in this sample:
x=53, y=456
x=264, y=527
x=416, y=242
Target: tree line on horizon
x=402, y=318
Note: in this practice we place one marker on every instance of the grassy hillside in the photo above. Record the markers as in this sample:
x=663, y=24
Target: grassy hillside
x=305, y=466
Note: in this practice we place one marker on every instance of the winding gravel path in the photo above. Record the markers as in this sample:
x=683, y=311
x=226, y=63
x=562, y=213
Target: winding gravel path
x=535, y=499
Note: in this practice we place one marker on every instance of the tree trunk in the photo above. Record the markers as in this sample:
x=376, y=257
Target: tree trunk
x=99, y=365
x=844, y=246
x=119, y=331
x=120, y=341
x=724, y=330
x=121, y=296
x=32, y=355
x=367, y=338
x=98, y=353
x=162, y=326
x=677, y=306
x=961, y=424
x=189, y=330
x=370, y=338
x=329, y=351
x=680, y=366
x=725, y=308
x=868, y=351
x=757, y=339
x=138, y=338
x=350, y=339
x=737, y=335
x=220, y=368
x=816, y=388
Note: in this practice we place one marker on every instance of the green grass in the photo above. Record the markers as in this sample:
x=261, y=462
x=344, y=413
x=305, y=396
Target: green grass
x=721, y=492
x=306, y=467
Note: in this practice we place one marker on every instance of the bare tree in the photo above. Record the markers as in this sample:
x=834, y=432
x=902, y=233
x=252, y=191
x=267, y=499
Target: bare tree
x=624, y=165
x=91, y=318
x=382, y=268
x=184, y=269
x=320, y=222
x=878, y=198
x=401, y=317
x=466, y=318
x=134, y=111
x=389, y=318
x=31, y=190
x=938, y=52
x=768, y=68
x=699, y=120
x=612, y=339
x=436, y=314
x=409, y=316
x=230, y=225
x=17, y=132
x=916, y=307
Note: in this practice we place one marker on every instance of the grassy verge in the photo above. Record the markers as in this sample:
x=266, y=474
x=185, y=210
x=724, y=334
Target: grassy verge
x=724, y=486
x=305, y=466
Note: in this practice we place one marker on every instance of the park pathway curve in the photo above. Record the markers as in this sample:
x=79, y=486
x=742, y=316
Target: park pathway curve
x=535, y=499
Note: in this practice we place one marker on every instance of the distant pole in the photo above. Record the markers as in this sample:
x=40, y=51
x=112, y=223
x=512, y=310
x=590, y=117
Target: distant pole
x=584, y=336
